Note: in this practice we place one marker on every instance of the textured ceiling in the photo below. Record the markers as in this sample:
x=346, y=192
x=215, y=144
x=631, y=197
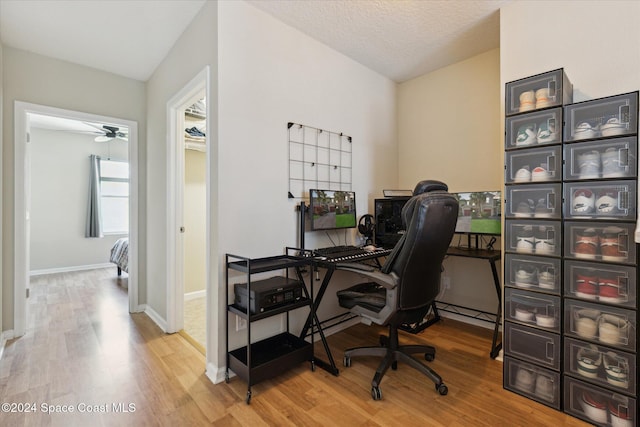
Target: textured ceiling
x=397, y=38
x=400, y=39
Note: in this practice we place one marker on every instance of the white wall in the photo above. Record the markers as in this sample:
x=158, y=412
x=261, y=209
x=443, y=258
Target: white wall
x=59, y=194
x=195, y=209
x=268, y=74
x=448, y=126
x=196, y=49
x=595, y=42
x=41, y=80
x=271, y=74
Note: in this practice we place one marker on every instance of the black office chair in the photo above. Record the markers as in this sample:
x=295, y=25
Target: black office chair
x=403, y=290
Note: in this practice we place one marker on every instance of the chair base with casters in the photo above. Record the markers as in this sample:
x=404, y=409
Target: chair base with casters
x=391, y=353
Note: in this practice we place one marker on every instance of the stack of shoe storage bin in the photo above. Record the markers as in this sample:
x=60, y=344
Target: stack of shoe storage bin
x=600, y=260
x=533, y=236
x=571, y=261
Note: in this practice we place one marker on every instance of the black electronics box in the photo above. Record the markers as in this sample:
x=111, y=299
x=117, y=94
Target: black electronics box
x=388, y=219
x=268, y=294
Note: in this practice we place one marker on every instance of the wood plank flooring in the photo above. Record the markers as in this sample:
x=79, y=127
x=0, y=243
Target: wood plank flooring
x=83, y=348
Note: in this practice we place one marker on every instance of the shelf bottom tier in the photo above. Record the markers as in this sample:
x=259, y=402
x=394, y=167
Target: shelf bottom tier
x=270, y=357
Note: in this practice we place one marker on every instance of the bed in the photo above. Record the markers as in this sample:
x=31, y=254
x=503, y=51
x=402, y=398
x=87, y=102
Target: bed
x=120, y=255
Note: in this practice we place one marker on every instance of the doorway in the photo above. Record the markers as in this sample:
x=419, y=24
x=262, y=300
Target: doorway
x=188, y=225
x=24, y=114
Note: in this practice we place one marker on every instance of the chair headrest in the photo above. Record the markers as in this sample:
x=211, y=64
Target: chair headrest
x=429, y=185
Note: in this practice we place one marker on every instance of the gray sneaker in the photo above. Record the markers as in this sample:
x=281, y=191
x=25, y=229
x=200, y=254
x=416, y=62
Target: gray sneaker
x=542, y=209
x=589, y=165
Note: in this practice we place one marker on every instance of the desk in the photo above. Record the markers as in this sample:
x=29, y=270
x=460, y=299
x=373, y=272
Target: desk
x=492, y=257
x=330, y=266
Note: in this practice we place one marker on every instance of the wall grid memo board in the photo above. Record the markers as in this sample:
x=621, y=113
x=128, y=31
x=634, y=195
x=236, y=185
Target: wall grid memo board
x=318, y=158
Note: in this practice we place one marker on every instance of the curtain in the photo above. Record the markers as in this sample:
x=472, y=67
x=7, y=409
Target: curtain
x=94, y=219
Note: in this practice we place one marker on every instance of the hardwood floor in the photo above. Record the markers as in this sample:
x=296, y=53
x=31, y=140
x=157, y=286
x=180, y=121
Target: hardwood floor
x=83, y=348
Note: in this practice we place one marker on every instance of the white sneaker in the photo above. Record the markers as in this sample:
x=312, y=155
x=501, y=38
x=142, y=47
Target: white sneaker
x=612, y=164
x=584, y=131
x=543, y=242
x=522, y=175
x=526, y=135
x=527, y=101
x=616, y=369
x=547, y=280
x=546, y=133
x=607, y=203
x=589, y=361
x=540, y=174
x=525, y=276
x=589, y=165
x=613, y=127
x=584, y=202
x=543, y=98
x=524, y=240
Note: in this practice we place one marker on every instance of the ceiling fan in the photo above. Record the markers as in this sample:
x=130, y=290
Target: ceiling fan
x=109, y=133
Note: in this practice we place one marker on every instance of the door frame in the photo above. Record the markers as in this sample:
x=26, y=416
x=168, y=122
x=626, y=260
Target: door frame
x=175, y=200
x=22, y=187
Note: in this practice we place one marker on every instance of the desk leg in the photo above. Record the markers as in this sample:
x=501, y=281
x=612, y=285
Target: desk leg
x=312, y=319
x=495, y=347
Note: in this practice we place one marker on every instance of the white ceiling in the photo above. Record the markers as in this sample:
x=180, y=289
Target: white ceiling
x=400, y=39
x=129, y=38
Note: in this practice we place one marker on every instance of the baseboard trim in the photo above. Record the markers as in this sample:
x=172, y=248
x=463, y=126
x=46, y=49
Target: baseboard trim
x=216, y=374
x=4, y=337
x=193, y=295
x=157, y=319
x=70, y=269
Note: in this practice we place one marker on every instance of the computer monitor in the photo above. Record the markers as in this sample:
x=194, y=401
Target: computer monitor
x=332, y=209
x=479, y=212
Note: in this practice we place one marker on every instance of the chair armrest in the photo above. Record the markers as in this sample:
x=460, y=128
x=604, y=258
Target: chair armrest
x=388, y=281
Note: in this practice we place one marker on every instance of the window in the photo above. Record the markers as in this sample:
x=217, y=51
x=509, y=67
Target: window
x=114, y=196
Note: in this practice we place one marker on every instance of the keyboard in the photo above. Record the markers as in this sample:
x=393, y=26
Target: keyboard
x=348, y=253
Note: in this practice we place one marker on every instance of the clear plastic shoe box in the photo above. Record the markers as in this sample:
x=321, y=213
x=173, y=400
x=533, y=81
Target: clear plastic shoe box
x=602, y=118
x=532, y=381
x=534, y=129
x=601, y=159
x=533, y=345
x=597, y=405
x=600, y=324
x=602, y=241
x=600, y=365
x=550, y=89
x=533, y=201
x=605, y=283
x=532, y=309
x=542, y=274
x=542, y=164
x=539, y=237
x=601, y=200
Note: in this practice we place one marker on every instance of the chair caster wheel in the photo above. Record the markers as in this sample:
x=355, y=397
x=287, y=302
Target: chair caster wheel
x=442, y=389
x=346, y=361
x=429, y=357
x=376, y=393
